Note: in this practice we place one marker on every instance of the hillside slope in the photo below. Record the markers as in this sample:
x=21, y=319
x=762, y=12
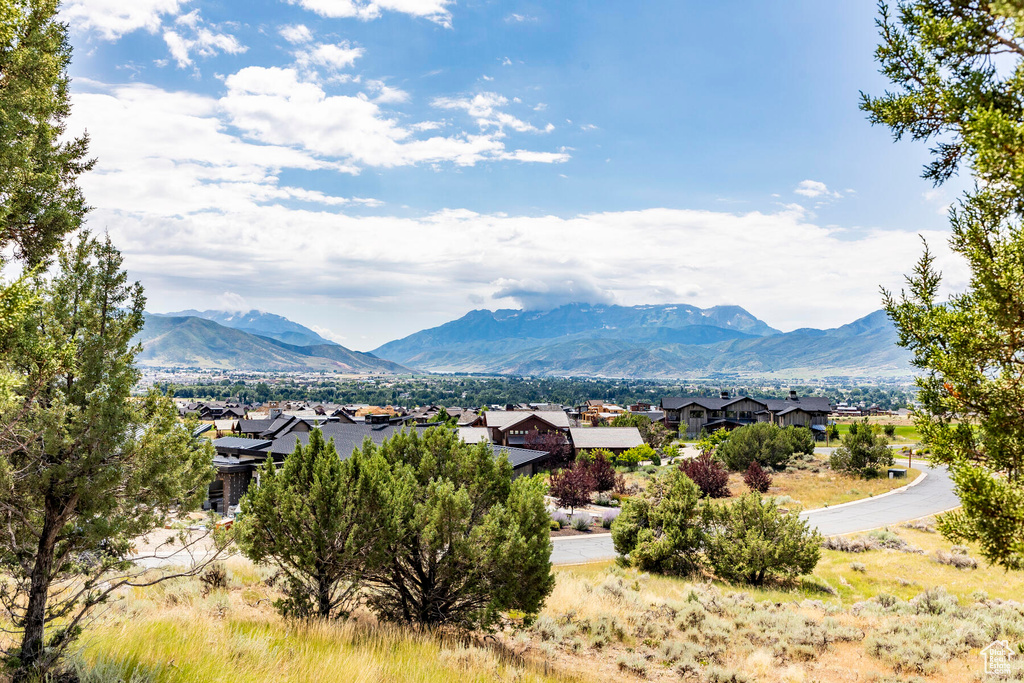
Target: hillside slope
x=190, y=341
x=259, y=323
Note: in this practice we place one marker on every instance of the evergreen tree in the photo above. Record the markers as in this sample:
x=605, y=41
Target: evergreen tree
x=40, y=201
x=463, y=541
x=662, y=529
x=751, y=540
x=864, y=452
x=958, y=68
x=317, y=520
x=84, y=467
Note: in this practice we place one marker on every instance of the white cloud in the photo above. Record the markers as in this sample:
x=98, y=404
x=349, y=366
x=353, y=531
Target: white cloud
x=386, y=94
x=284, y=258
x=486, y=108
x=111, y=19
x=167, y=153
x=434, y=10
x=329, y=334
x=199, y=40
x=232, y=302
x=296, y=33
x=331, y=56
x=815, y=188
x=520, y=18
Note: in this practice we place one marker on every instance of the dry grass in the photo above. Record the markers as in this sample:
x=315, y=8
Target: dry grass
x=809, y=484
x=891, y=616
x=880, y=615
x=174, y=633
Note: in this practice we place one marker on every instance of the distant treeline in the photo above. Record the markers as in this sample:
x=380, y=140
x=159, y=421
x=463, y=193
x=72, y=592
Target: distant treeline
x=479, y=391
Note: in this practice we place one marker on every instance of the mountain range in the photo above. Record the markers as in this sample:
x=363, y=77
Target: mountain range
x=259, y=323
x=663, y=341
x=657, y=341
x=197, y=342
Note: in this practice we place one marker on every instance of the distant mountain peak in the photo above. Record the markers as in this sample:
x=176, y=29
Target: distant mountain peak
x=262, y=323
x=652, y=340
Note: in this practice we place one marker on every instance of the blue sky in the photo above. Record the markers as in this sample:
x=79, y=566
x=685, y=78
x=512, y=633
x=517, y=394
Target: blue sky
x=372, y=167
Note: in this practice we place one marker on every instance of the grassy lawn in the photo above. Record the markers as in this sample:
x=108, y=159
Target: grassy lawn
x=904, y=433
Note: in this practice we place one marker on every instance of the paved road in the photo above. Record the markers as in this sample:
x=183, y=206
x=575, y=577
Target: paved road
x=931, y=495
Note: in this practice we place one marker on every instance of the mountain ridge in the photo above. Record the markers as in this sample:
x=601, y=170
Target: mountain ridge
x=192, y=341
x=261, y=323
x=655, y=341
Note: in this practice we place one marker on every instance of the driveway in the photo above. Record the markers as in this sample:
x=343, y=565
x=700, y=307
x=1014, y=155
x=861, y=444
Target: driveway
x=928, y=496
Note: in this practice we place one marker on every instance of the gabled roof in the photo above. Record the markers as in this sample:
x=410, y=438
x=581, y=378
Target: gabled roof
x=811, y=404
x=254, y=426
x=605, y=437
x=706, y=402
x=506, y=419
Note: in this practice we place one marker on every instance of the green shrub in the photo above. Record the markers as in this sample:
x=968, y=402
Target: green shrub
x=634, y=456
x=764, y=443
x=889, y=431
x=863, y=452
x=662, y=529
x=801, y=439
x=751, y=540
x=581, y=522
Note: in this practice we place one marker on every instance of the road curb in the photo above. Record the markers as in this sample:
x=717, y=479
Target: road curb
x=860, y=501
x=579, y=538
x=904, y=522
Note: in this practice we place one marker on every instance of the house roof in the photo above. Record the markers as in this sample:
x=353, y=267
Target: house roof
x=519, y=456
x=811, y=404
x=775, y=405
x=504, y=419
x=474, y=434
x=254, y=426
x=605, y=437
x=240, y=443
x=347, y=437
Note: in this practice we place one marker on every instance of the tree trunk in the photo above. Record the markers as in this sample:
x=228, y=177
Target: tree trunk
x=32, y=650
x=323, y=596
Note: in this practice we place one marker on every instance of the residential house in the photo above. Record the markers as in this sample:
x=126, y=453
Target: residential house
x=238, y=458
x=514, y=427
x=692, y=415
x=614, y=439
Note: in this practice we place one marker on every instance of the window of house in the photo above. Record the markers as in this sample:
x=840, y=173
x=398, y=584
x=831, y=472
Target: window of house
x=730, y=413
x=697, y=414
x=716, y=413
x=746, y=415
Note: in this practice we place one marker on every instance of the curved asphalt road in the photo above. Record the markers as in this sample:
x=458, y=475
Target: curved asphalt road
x=928, y=496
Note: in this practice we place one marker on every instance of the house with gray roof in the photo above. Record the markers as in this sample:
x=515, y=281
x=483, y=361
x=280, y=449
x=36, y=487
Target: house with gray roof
x=238, y=457
x=614, y=439
x=694, y=414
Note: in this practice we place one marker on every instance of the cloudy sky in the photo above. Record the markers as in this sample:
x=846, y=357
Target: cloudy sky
x=373, y=167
